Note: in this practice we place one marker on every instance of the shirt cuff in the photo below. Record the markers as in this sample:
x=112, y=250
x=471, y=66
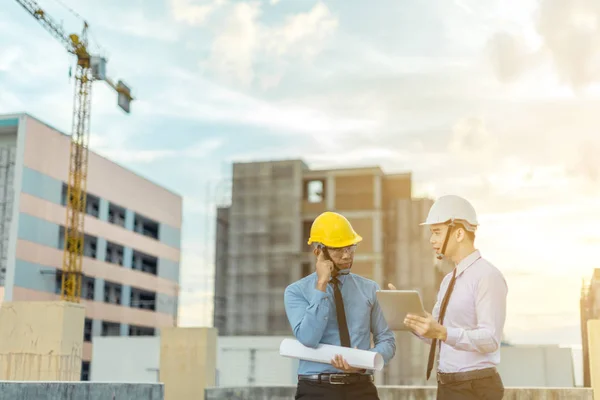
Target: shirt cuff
x=318, y=296
x=452, y=336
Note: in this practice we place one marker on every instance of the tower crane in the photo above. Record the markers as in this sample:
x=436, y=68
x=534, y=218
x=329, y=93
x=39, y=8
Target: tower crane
x=89, y=68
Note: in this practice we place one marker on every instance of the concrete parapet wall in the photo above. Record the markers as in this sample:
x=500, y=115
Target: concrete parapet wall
x=395, y=393
x=80, y=391
x=41, y=341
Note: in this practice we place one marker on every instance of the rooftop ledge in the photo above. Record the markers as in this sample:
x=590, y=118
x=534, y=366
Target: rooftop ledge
x=396, y=393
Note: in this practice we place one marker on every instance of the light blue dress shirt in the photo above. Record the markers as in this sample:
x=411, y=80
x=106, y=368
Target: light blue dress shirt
x=312, y=316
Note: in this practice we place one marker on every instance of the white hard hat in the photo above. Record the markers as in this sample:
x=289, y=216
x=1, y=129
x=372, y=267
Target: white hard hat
x=452, y=208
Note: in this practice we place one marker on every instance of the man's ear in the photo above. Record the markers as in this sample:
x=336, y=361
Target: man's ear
x=460, y=234
x=316, y=251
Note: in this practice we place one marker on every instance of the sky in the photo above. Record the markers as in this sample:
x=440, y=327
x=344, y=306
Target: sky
x=494, y=100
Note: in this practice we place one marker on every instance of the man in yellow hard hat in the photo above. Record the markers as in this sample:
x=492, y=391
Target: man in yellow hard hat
x=336, y=307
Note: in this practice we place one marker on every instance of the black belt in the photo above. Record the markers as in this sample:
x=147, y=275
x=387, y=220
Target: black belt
x=337, y=379
x=450, y=377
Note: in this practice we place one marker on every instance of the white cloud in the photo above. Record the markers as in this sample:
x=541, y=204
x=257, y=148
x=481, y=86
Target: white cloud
x=233, y=50
x=193, y=97
x=243, y=41
x=194, y=12
x=470, y=135
x=139, y=25
x=122, y=154
x=302, y=34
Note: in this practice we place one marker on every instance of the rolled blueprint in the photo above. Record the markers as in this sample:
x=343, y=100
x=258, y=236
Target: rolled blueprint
x=324, y=353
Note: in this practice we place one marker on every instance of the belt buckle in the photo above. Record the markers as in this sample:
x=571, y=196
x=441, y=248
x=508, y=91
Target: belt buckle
x=334, y=382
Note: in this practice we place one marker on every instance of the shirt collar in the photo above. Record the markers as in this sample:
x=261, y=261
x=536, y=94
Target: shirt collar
x=341, y=278
x=467, y=262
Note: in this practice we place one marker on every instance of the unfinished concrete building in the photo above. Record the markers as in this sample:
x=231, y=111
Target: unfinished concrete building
x=261, y=245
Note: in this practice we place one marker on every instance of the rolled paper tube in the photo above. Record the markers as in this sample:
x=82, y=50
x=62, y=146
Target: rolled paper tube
x=324, y=353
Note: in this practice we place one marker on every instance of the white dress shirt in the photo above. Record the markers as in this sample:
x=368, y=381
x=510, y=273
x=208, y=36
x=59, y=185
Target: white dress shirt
x=474, y=317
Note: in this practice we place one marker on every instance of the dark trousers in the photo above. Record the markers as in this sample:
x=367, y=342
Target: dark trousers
x=308, y=390
x=490, y=388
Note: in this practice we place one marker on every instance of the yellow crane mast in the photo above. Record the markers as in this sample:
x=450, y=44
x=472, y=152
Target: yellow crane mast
x=89, y=69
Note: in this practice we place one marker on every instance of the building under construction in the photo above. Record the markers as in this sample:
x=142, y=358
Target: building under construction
x=130, y=282
x=590, y=309
x=261, y=245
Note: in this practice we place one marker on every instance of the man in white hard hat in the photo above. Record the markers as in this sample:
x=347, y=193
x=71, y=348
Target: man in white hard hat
x=468, y=317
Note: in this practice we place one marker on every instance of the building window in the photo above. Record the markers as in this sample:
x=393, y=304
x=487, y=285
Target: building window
x=112, y=292
x=143, y=299
x=141, y=330
x=314, y=190
x=145, y=263
x=92, y=203
x=85, y=370
x=90, y=246
x=114, y=253
x=90, y=243
x=87, y=330
x=145, y=226
x=87, y=285
x=116, y=215
x=111, y=328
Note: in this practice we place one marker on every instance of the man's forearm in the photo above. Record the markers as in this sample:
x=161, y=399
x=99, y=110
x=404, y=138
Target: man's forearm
x=387, y=349
x=480, y=340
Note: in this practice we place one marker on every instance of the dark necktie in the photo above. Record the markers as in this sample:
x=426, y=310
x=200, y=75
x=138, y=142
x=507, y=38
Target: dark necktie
x=441, y=321
x=341, y=314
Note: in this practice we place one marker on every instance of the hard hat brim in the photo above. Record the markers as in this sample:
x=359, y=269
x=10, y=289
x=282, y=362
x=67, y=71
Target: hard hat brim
x=468, y=225
x=357, y=239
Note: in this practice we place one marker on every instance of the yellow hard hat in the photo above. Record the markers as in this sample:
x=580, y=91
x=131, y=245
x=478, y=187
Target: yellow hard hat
x=333, y=230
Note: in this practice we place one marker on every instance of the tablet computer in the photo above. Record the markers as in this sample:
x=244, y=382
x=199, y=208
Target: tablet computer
x=396, y=304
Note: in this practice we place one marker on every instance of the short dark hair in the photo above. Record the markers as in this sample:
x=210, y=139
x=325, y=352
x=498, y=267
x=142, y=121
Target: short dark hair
x=469, y=234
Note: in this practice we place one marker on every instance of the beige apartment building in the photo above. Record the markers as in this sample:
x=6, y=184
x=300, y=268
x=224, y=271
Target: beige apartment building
x=261, y=245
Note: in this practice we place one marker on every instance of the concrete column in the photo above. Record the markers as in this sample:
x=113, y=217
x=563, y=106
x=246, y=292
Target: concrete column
x=377, y=192
x=41, y=341
x=127, y=257
x=188, y=361
x=99, y=290
x=126, y=296
x=593, y=328
x=103, y=210
x=98, y=297
x=96, y=328
x=330, y=192
x=101, y=249
x=129, y=219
